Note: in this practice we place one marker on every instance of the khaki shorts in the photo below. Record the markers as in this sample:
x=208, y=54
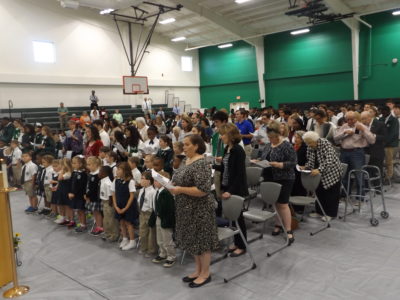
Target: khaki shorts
x=29, y=188
x=48, y=192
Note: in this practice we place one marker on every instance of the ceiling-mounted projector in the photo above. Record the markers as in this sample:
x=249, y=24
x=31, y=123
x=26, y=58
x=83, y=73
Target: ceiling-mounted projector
x=69, y=4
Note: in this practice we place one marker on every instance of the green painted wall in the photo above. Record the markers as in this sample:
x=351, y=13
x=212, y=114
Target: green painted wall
x=312, y=67
x=228, y=73
x=379, y=78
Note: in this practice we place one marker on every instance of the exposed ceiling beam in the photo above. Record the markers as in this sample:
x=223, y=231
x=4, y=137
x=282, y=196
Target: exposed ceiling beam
x=378, y=7
x=211, y=16
x=183, y=28
x=338, y=7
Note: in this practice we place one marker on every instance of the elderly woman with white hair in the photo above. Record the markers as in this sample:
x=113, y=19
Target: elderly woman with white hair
x=142, y=128
x=322, y=159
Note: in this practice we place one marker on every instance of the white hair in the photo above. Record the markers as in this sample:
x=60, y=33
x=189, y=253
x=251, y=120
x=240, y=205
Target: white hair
x=311, y=136
x=141, y=120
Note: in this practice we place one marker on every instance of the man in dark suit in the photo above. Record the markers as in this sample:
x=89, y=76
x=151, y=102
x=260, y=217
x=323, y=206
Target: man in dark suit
x=376, y=151
x=392, y=139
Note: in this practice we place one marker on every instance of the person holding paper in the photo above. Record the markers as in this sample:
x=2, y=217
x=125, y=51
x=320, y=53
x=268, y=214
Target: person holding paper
x=196, y=228
x=233, y=179
x=282, y=158
x=322, y=159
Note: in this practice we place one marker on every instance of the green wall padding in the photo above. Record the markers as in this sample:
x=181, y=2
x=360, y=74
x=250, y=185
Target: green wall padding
x=380, y=78
x=312, y=67
x=227, y=73
x=221, y=96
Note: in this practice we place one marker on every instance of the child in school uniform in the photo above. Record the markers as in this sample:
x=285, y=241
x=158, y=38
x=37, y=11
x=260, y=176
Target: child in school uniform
x=166, y=153
x=158, y=164
x=111, y=159
x=177, y=162
x=133, y=164
x=110, y=224
x=93, y=202
x=126, y=209
x=55, y=192
x=178, y=148
x=15, y=163
x=103, y=154
x=39, y=179
x=146, y=206
x=78, y=189
x=164, y=220
x=148, y=162
x=28, y=178
x=64, y=188
x=151, y=145
x=46, y=177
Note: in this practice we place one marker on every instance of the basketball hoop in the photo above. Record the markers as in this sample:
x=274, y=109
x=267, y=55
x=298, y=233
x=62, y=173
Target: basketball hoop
x=135, y=85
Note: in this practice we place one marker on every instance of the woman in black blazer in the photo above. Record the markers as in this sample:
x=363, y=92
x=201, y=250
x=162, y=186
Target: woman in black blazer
x=301, y=152
x=233, y=176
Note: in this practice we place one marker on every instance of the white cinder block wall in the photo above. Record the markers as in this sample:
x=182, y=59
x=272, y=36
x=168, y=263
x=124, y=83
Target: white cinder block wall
x=89, y=55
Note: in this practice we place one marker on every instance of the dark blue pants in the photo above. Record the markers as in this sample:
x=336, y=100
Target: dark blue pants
x=355, y=160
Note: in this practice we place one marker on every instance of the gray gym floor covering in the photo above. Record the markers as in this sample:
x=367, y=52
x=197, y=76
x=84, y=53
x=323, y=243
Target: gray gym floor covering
x=350, y=260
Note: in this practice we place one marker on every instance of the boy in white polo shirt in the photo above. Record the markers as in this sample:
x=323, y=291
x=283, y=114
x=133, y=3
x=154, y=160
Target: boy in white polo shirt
x=28, y=177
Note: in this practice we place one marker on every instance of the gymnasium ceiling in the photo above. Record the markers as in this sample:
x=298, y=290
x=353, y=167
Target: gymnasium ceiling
x=212, y=22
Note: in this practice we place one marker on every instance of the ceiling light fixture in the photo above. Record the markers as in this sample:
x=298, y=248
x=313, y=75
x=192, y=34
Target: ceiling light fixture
x=178, y=39
x=301, y=31
x=241, y=1
x=167, y=21
x=106, y=11
x=225, y=46
x=396, y=13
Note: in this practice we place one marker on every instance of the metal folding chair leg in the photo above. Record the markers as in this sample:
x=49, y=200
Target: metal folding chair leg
x=259, y=237
x=270, y=253
x=328, y=225
x=183, y=257
x=253, y=263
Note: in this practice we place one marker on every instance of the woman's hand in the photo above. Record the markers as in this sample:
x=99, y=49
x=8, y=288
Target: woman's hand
x=118, y=210
x=176, y=190
x=226, y=195
x=70, y=196
x=275, y=164
x=315, y=172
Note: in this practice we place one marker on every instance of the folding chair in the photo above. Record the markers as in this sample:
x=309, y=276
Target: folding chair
x=232, y=208
x=269, y=193
x=311, y=184
x=253, y=175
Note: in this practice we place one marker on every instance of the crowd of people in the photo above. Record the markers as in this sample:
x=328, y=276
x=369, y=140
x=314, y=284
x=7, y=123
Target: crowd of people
x=111, y=169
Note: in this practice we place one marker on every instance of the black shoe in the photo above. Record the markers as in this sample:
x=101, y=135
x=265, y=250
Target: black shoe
x=188, y=279
x=196, y=285
x=233, y=254
x=275, y=233
x=291, y=240
x=45, y=212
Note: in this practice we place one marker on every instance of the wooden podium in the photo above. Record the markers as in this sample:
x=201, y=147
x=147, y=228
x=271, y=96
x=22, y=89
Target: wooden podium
x=8, y=271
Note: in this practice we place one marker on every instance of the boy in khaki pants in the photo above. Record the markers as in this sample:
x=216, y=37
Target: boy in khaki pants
x=146, y=206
